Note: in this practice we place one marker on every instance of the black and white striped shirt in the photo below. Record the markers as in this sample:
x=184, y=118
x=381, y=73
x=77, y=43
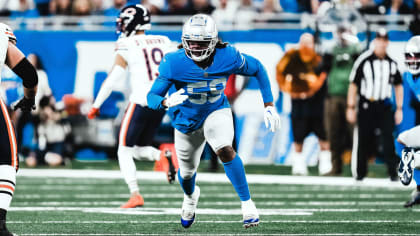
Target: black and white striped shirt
x=374, y=76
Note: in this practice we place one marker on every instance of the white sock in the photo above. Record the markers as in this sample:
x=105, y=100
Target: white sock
x=7, y=185
x=325, y=164
x=128, y=167
x=146, y=153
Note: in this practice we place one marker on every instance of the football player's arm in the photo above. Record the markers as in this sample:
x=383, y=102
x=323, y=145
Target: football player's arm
x=17, y=61
x=156, y=96
x=117, y=72
x=252, y=67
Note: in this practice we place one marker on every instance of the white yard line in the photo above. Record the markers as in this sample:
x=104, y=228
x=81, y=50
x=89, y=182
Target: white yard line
x=206, y=211
x=163, y=211
x=180, y=195
x=215, y=178
x=217, y=203
x=223, y=222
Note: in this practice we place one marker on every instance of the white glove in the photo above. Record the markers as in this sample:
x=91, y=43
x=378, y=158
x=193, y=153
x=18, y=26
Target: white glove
x=271, y=118
x=176, y=98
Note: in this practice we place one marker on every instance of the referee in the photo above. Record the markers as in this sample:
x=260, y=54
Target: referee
x=373, y=75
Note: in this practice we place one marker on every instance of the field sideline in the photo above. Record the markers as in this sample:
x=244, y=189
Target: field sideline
x=85, y=202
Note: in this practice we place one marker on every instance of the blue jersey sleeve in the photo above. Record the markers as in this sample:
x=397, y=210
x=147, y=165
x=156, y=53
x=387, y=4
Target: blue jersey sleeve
x=250, y=66
x=160, y=87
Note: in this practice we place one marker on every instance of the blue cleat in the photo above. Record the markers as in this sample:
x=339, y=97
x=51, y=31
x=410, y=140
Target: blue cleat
x=250, y=214
x=189, y=205
x=406, y=167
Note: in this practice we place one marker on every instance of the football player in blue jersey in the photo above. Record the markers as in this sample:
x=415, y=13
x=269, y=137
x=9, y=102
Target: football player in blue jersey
x=195, y=76
x=410, y=157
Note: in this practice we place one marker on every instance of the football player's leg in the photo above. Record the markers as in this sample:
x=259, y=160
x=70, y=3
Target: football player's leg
x=131, y=127
x=325, y=164
x=8, y=166
x=410, y=139
x=301, y=129
x=144, y=150
x=145, y=128
x=7, y=187
x=219, y=132
x=188, y=149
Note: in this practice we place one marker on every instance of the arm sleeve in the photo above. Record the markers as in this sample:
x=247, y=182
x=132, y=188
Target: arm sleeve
x=250, y=66
x=25, y=70
x=157, y=93
x=107, y=86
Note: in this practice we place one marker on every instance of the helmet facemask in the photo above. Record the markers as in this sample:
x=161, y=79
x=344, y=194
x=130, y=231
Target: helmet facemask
x=412, y=61
x=199, y=50
x=199, y=37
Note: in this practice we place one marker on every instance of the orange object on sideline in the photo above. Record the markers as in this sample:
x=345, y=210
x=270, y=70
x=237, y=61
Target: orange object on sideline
x=162, y=164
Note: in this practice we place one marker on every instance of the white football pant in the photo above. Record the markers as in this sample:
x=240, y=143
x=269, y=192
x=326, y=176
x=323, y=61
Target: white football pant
x=217, y=130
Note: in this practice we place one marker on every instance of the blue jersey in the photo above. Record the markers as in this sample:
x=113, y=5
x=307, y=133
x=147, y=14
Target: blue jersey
x=414, y=84
x=203, y=86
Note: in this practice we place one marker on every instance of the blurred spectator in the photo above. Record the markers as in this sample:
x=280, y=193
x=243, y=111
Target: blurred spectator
x=289, y=6
x=52, y=132
x=369, y=7
x=338, y=63
x=224, y=14
x=28, y=122
x=299, y=74
x=154, y=6
x=114, y=10
x=245, y=15
x=396, y=7
x=97, y=7
x=373, y=76
x=270, y=8
x=43, y=7
x=179, y=7
x=415, y=24
x=202, y=6
x=43, y=85
x=81, y=8
x=23, y=8
x=309, y=6
x=60, y=7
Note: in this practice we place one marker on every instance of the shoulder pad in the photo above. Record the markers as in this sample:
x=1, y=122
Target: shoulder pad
x=5, y=29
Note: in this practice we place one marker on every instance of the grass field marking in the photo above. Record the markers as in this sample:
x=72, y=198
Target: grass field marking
x=163, y=187
x=221, y=222
x=215, y=195
x=218, y=178
x=252, y=234
x=207, y=211
x=164, y=211
x=211, y=203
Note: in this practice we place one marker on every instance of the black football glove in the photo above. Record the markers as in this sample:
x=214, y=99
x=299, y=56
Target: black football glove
x=25, y=104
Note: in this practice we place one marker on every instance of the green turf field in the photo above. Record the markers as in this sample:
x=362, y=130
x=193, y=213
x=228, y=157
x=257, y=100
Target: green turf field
x=89, y=206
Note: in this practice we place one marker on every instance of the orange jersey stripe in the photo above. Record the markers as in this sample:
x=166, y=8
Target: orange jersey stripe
x=11, y=133
x=7, y=186
x=126, y=122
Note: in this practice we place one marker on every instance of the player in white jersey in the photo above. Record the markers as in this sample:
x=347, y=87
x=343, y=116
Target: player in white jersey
x=9, y=164
x=140, y=54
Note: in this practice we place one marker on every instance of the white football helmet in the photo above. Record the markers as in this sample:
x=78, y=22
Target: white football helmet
x=5, y=29
x=412, y=55
x=199, y=37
